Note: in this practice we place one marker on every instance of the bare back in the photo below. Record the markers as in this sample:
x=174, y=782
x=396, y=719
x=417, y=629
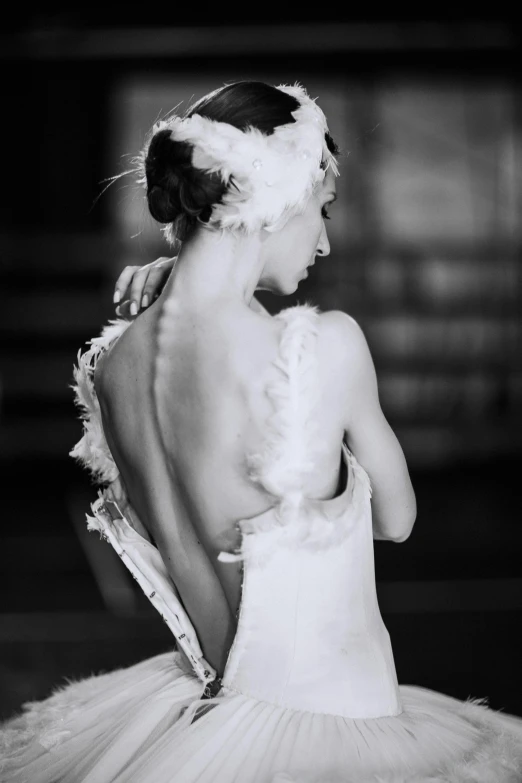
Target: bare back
x=223, y=362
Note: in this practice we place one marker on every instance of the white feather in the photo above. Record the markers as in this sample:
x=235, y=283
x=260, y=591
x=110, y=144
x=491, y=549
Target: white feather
x=270, y=178
x=291, y=451
x=92, y=450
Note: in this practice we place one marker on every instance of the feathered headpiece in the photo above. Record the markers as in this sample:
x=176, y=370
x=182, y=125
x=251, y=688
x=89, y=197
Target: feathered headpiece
x=270, y=177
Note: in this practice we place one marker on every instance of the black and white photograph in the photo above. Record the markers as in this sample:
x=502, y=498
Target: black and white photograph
x=260, y=395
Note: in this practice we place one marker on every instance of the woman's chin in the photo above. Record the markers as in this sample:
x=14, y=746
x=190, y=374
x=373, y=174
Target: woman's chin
x=303, y=275
x=287, y=287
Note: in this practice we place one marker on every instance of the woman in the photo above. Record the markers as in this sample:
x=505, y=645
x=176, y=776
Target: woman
x=216, y=429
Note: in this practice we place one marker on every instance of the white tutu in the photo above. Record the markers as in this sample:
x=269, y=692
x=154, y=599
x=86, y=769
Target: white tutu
x=147, y=724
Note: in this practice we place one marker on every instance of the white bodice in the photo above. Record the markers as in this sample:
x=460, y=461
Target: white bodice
x=310, y=634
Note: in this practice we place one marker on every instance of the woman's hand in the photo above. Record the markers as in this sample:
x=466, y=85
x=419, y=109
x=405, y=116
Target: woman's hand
x=138, y=286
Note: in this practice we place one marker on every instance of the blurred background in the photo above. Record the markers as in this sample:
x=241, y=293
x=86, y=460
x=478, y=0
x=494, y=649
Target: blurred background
x=426, y=255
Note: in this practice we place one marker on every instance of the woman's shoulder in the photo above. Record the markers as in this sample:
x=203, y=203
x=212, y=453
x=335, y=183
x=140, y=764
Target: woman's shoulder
x=123, y=359
x=346, y=363
x=339, y=324
x=121, y=381
x=341, y=343
x=336, y=324
x=343, y=339
x=92, y=450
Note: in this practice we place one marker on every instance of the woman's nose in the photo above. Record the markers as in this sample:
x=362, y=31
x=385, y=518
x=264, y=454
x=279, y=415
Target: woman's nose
x=323, y=247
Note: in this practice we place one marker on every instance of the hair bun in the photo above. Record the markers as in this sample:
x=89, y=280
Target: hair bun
x=160, y=205
x=175, y=188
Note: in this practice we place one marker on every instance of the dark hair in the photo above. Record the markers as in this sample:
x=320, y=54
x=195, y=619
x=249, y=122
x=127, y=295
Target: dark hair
x=179, y=193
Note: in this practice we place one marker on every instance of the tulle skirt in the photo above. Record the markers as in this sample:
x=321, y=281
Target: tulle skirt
x=148, y=724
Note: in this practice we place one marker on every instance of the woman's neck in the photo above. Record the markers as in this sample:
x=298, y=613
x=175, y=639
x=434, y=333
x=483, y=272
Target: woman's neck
x=217, y=265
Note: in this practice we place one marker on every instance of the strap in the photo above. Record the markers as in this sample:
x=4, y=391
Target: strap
x=289, y=453
x=286, y=459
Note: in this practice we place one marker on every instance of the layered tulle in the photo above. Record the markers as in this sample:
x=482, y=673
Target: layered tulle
x=148, y=724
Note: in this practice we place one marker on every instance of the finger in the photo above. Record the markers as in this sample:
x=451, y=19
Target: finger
x=137, y=286
x=123, y=282
x=123, y=310
x=165, y=264
x=156, y=279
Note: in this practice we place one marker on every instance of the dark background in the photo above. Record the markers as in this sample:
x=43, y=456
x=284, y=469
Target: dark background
x=426, y=255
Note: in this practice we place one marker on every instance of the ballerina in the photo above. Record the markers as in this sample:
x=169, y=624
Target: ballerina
x=246, y=468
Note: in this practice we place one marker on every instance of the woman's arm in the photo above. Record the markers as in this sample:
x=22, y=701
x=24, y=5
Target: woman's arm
x=368, y=433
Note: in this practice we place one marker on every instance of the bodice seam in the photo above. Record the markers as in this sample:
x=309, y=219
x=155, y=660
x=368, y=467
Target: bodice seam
x=299, y=709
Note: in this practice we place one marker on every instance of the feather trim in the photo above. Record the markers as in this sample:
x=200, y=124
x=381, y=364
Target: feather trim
x=290, y=453
x=92, y=450
x=310, y=529
x=270, y=178
x=287, y=458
